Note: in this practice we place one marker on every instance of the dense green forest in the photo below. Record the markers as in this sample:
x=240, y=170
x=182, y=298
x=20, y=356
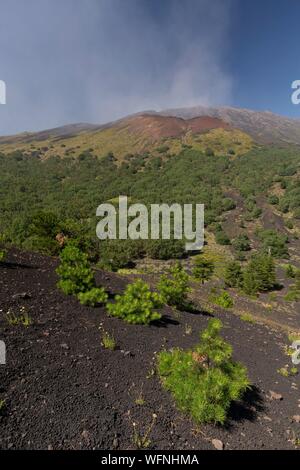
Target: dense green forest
x=42, y=198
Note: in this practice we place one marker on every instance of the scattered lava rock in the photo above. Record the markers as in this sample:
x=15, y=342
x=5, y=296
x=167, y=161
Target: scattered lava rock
x=275, y=396
x=218, y=444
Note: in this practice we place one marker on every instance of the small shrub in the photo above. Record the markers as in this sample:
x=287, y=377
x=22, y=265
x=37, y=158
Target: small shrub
x=283, y=371
x=247, y=317
x=241, y=243
x=250, y=283
x=240, y=256
x=296, y=213
x=273, y=199
x=139, y=397
x=297, y=279
x=2, y=405
x=140, y=401
x=289, y=224
x=108, y=341
x=142, y=440
x=74, y=271
x=174, y=288
x=204, y=380
x=274, y=243
x=228, y=204
x=203, y=269
x=222, y=238
x=224, y=300
x=137, y=305
x=233, y=275
x=118, y=254
x=21, y=318
x=286, y=372
x=293, y=371
x=96, y=295
x=12, y=318
x=290, y=271
x=41, y=244
x=256, y=212
x=293, y=295
x=43, y=226
x=25, y=319
x=162, y=149
x=259, y=275
x=164, y=249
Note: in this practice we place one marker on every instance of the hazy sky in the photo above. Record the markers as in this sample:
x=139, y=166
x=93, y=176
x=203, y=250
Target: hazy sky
x=68, y=61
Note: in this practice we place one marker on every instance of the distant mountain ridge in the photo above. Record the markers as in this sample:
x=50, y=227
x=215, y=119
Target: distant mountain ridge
x=264, y=126
x=58, y=132
x=225, y=129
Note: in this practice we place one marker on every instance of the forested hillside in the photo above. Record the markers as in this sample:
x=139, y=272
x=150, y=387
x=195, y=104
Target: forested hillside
x=44, y=198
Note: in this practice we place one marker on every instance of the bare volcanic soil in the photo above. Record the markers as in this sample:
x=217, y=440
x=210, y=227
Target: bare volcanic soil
x=157, y=127
x=63, y=390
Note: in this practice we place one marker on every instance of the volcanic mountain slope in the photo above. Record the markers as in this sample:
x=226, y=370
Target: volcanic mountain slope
x=134, y=134
x=264, y=126
x=224, y=130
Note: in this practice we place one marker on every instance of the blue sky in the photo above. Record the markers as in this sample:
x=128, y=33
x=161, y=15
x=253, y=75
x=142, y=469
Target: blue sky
x=68, y=61
x=263, y=56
